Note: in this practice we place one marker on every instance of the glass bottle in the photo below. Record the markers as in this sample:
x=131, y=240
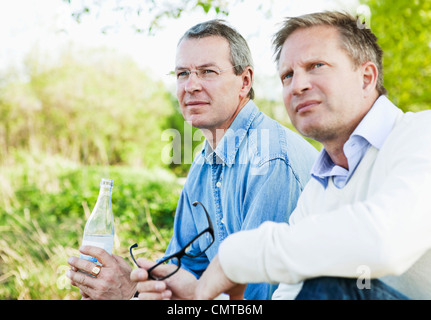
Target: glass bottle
x=99, y=229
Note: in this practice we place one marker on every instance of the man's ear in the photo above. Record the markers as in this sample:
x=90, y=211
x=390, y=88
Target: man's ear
x=370, y=75
x=247, y=81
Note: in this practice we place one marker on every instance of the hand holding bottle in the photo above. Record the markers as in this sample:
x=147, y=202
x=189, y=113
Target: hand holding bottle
x=113, y=281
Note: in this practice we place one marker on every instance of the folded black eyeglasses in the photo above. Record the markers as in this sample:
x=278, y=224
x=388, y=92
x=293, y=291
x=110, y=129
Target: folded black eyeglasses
x=157, y=271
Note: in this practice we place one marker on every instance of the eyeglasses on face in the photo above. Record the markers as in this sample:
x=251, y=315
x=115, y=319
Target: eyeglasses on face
x=205, y=73
x=158, y=271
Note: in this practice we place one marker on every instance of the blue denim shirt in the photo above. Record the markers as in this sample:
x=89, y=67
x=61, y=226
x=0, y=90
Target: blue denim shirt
x=255, y=174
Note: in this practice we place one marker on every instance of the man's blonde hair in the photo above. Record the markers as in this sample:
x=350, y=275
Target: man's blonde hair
x=356, y=38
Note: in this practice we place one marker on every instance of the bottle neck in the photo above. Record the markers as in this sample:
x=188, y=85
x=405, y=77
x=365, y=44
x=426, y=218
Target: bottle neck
x=105, y=190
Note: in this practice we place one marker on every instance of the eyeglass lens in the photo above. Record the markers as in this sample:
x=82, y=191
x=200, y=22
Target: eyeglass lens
x=164, y=269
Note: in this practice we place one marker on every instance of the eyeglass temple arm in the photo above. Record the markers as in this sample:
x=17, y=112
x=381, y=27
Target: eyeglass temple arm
x=206, y=212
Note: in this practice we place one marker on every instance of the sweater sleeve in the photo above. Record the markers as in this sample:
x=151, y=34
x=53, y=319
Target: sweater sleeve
x=388, y=231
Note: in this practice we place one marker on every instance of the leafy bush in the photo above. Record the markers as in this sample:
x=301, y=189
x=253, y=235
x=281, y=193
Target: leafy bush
x=103, y=110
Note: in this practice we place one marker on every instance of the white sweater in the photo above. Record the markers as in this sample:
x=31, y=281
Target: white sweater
x=380, y=220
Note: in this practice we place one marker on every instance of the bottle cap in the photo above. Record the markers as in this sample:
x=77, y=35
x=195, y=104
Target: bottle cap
x=106, y=182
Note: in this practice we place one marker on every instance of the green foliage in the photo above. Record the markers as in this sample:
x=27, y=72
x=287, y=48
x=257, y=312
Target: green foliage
x=191, y=140
x=405, y=37
x=44, y=208
x=101, y=110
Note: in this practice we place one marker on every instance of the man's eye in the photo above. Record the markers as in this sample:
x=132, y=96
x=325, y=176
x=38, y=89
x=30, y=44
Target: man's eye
x=207, y=71
x=318, y=65
x=182, y=74
x=287, y=76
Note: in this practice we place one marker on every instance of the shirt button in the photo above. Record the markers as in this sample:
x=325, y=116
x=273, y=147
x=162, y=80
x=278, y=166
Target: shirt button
x=218, y=184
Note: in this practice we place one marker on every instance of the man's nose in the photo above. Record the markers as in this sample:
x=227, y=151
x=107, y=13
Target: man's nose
x=193, y=83
x=300, y=83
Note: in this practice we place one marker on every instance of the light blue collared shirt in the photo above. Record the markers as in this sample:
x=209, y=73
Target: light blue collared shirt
x=255, y=174
x=372, y=130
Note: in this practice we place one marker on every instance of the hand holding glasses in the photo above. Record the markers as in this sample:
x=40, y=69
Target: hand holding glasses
x=175, y=259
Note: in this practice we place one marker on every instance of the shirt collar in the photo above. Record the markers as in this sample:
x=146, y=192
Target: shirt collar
x=375, y=127
x=377, y=124
x=228, y=146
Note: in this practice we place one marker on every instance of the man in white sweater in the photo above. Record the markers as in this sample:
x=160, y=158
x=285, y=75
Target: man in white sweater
x=362, y=226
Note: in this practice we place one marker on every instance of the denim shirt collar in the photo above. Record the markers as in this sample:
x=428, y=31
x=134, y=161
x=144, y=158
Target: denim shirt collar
x=225, y=152
x=373, y=130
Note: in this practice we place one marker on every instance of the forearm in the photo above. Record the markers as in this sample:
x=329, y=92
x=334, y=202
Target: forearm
x=332, y=244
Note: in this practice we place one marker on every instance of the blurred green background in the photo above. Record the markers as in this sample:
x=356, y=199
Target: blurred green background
x=54, y=148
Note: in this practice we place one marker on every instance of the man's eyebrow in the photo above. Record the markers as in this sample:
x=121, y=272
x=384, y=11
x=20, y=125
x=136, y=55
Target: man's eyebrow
x=205, y=65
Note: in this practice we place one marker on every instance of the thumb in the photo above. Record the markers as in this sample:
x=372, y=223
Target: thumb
x=145, y=264
x=162, y=270
x=141, y=274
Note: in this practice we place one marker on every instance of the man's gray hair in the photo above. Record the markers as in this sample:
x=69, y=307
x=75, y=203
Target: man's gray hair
x=240, y=54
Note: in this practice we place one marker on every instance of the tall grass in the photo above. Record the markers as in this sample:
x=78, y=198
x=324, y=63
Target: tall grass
x=44, y=205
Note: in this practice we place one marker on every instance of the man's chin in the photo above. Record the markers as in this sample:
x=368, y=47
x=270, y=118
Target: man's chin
x=196, y=121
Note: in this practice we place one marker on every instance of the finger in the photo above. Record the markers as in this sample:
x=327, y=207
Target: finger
x=161, y=271
x=80, y=264
x=100, y=254
x=165, y=295
x=139, y=275
x=145, y=264
x=151, y=286
x=83, y=282
x=84, y=296
x=151, y=290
